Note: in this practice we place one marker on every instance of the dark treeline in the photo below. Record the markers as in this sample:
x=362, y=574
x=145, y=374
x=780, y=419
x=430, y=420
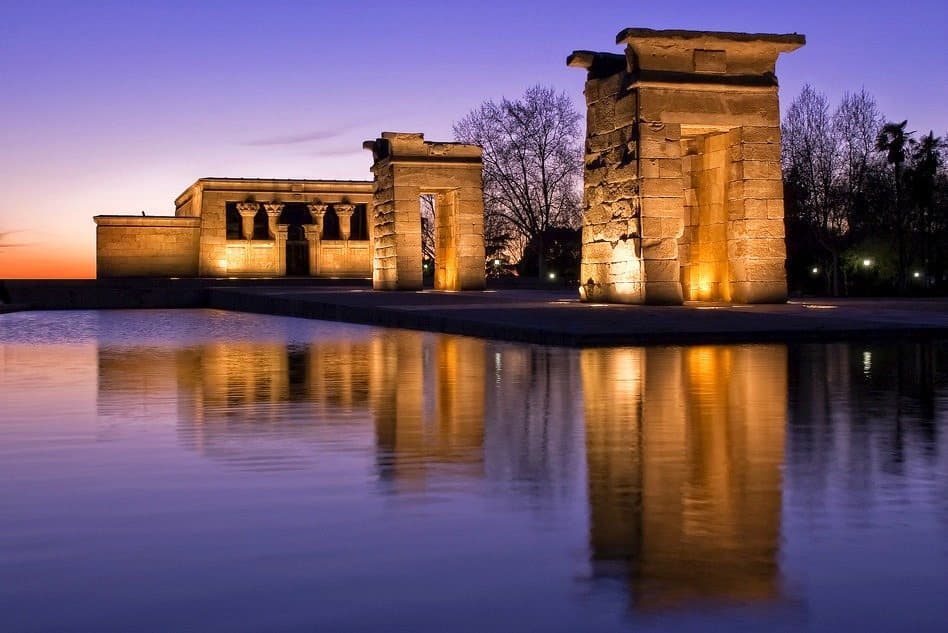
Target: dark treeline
x=866, y=200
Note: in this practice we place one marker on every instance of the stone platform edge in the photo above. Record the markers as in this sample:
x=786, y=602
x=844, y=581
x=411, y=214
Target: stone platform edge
x=185, y=294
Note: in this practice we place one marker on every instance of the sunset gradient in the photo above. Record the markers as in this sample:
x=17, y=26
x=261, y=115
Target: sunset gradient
x=118, y=107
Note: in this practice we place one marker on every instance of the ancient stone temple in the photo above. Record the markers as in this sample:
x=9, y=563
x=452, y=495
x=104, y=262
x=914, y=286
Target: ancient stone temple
x=683, y=190
x=245, y=227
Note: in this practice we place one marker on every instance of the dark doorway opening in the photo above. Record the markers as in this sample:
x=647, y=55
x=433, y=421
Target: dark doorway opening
x=297, y=252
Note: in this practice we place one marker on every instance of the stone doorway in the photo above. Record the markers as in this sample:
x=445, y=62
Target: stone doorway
x=294, y=217
x=297, y=252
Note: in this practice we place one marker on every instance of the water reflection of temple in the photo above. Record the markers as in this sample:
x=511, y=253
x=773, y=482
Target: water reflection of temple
x=683, y=447
x=678, y=452
x=424, y=395
x=684, y=450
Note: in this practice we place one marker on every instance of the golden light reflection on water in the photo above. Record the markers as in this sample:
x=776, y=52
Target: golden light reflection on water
x=684, y=451
x=683, y=446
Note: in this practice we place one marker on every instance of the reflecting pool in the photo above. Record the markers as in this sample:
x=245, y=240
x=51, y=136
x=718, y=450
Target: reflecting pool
x=213, y=471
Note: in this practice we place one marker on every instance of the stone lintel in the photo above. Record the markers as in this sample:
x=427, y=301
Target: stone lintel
x=785, y=42
x=705, y=54
x=398, y=147
x=271, y=188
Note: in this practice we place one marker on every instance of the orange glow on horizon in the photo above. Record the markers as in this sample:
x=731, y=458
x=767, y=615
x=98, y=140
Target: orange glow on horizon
x=46, y=262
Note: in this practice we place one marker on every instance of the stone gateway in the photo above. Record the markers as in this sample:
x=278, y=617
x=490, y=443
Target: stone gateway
x=683, y=189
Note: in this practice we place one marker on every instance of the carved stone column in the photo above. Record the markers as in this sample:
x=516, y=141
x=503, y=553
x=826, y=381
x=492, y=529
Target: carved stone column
x=279, y=247
x=247, y=211
x=344, y=213
x=312, y=232
x=273, y=210
x=317, y=210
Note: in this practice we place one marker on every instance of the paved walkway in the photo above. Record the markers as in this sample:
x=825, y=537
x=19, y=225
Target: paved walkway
x=558, y=318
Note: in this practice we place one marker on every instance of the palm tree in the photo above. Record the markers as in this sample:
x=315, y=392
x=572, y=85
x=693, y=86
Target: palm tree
x=893, y=140
x=926, y=160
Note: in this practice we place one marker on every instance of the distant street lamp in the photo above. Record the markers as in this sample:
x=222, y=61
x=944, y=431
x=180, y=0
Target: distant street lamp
x=496, y=263
x=552, y=276
x=916, y=274
x=815, y=271
x=867, y=263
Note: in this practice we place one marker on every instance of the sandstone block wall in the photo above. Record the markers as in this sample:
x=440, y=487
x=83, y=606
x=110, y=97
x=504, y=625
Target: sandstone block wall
x=344, y=258
x=682, y=188
x=129, y=246
x=207, y=200
x=252, y=258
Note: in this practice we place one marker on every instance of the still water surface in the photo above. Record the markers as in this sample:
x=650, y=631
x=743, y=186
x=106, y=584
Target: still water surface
x=211, y=471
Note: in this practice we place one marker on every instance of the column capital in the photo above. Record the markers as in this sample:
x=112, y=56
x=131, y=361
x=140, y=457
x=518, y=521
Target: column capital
x=273, y=208
x=344, y=209
x=248, y=208
x=317, y=209
x=247, y=211
x=344, y=212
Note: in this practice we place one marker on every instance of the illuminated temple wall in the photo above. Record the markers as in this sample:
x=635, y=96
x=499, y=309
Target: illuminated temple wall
x=129, y=246
x=293, y=227
x=684, y=451
x=266, y=254
x=683, y=193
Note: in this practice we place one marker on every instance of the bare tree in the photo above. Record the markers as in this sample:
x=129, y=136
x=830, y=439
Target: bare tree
x=810, y=154
x=532, y=163
x=856, y=125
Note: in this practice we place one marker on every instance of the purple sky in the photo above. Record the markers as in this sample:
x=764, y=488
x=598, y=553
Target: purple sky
x=116, y=107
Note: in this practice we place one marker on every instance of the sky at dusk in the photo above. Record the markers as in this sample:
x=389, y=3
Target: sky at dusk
x=118, y=107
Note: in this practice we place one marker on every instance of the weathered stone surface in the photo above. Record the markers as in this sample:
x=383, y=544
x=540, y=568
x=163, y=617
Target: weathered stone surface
x=683, y=161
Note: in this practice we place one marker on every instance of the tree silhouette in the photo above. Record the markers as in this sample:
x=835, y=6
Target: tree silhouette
x=532, y=163
x=893, y=140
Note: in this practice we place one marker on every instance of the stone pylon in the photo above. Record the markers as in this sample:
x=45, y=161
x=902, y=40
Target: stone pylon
x=683, y=190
